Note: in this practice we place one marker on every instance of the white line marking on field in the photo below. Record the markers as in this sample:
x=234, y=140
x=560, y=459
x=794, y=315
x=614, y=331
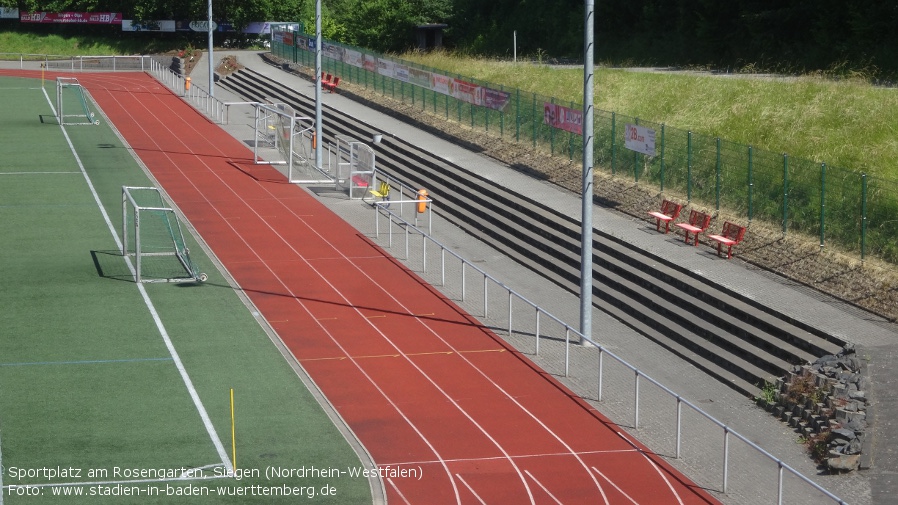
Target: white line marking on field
x=222, y=453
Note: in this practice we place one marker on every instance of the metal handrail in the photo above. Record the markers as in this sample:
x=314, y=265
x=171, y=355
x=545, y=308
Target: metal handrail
x=381, y=207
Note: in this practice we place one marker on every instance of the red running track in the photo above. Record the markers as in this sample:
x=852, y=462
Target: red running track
x=421, y=383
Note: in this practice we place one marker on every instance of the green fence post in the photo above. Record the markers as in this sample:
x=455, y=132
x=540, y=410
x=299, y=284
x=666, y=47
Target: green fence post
x=613, y=140
x=751, y=183
x=535, y=125
x=688, y=167
x=662, y=157
x=552, y=133
x=822, y=203
x=502, y=116
x=570, y=141
x=785, y=191
x=517, y=115
x=863, y=215
x=717, y=177
x=458, y=102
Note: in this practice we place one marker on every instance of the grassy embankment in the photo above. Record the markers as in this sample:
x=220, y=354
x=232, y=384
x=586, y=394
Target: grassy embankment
x=846, y=123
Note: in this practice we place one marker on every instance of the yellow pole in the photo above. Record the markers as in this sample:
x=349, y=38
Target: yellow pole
x=233, y=434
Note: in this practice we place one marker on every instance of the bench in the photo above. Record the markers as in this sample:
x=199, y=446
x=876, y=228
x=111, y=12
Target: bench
x=359, y=181
x=698, y=223
x=731, y=235
x=669, y=211
x=331, y=85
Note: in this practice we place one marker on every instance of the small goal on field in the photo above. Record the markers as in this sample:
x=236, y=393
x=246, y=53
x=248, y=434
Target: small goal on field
x=71, y=103
x=152, y=236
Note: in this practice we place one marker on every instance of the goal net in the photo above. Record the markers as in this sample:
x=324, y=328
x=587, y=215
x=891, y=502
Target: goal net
x=151, y=234
x=72, y=104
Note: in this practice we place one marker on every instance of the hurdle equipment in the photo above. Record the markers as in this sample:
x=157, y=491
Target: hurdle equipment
x=70, y=97
x=151, y=234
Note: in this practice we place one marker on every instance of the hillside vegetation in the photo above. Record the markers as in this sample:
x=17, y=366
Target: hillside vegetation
x=849, y=123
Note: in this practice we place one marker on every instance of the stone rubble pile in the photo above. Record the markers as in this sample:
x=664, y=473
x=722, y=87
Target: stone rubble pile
x=826, y=402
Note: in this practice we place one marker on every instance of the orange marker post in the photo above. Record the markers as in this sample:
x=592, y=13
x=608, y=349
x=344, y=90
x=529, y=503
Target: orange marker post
x=187, y=84
x=422, y=201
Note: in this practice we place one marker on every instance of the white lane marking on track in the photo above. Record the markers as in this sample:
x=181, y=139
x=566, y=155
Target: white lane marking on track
x=396, y=488
x=621, y=491
x=540, y=484
x=471, y=489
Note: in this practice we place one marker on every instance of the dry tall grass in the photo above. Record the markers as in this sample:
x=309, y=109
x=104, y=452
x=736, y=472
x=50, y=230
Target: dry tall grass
x=846, y=123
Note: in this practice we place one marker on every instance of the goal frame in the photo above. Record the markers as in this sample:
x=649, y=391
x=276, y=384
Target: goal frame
x=191, y=274
x=71, y=82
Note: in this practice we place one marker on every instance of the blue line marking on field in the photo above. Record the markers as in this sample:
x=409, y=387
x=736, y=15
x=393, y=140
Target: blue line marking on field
x=85, y=362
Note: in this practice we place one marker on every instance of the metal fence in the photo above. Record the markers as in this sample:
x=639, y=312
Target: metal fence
x=837, y=205
x=80, y=63
x=689, y=435
x=198, y=96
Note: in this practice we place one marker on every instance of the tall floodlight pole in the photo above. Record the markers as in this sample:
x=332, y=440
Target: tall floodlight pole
x=211, y=58
x=318, y=138
x=586, y=221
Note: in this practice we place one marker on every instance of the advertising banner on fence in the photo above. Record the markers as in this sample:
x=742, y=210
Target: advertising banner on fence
x=563, y=118
x=465, y=91
x=419, y=77
x=495, y=99
x=128, y=25
x=640, y=139
x=92, y=18
x=351, y=57
x=440, y=83
x=385, y=67
x=9, y=13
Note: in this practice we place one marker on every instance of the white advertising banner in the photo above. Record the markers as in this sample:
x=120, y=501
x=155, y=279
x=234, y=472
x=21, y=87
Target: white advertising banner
x=640, y=139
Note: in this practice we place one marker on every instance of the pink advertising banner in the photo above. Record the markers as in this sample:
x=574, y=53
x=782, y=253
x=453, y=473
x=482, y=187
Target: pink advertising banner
x=92, y=18
x=563, y=118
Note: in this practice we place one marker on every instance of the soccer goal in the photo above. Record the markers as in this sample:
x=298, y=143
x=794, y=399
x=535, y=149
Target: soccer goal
x=151, y=234
x=71, y=103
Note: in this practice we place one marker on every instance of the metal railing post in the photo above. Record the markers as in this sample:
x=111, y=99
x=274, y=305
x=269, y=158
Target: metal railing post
x=679, y=425
x=636, y=402
x=510, y=296
x=567, y=349
x=726, y=458
x=536, y=332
